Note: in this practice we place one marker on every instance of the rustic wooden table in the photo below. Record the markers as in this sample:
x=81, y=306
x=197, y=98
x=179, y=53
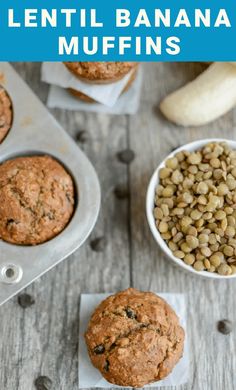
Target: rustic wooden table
x=43, y=338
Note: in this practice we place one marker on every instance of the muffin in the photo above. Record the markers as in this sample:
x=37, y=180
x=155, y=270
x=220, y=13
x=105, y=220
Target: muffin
x=5, y=113
x=88, y=99
x=100, y=72
x=36, y=199
x=134, y=338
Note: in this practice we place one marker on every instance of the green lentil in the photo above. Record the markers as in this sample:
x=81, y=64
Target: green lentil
x=195, y=207
x=199, y=265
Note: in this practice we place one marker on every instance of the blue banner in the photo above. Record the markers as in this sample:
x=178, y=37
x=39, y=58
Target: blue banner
x=124, y=30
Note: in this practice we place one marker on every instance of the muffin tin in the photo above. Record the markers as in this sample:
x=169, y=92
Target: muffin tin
x=35, y=131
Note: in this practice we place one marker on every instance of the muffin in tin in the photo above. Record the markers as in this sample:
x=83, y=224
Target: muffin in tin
x=6, y=114
x=134, y=338
x=37, y=199
x=100, y=72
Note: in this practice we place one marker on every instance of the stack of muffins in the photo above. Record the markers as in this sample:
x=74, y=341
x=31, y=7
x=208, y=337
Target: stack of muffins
x=101, y=73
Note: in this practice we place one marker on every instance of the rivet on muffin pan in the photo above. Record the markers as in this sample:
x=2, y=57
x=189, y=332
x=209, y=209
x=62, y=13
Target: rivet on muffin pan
x=126, y=156
x=121, y=191
x=25, y=300
x=43, y=383
x=10, y=273
x=225, y=326
x=98, y=244
x=6, y=113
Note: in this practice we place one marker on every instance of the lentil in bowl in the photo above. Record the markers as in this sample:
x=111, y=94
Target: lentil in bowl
x=191, y=207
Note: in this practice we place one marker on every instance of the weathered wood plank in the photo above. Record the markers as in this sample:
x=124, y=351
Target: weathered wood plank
x=42, y=339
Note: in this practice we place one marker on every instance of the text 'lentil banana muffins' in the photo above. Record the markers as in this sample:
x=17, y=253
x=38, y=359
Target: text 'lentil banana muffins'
x=6, y=113
x=100, y=72
x=36, y=199
x=134, y=338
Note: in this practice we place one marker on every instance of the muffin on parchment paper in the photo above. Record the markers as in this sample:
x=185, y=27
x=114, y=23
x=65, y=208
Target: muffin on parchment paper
x=36, y=199
x=134, y=338
x=6, y=113
x=100, y=72
x=88, y=99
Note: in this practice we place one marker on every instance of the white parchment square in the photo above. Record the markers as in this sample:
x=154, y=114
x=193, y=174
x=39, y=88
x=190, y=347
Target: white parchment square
x=128, y=102
x=89, y=376
x=56, y=73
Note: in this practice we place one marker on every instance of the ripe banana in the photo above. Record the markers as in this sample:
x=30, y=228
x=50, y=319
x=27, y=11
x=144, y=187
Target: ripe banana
x=205, y=99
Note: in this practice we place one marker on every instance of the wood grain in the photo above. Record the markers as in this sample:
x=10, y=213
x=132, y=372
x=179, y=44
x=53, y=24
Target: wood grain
x=43, y=339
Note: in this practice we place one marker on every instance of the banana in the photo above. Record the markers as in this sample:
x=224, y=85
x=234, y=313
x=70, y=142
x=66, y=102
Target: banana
x=205, y=99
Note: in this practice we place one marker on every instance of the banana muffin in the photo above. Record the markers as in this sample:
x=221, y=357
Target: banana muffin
x=36, y=199
x=134, y=338
x=88, y=99
x=5, y=113
x=100, y=72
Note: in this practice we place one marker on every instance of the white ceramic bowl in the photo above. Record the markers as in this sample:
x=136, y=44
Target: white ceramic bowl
x=150, y=206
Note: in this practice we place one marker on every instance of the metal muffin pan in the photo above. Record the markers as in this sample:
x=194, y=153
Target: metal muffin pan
x=35, y=131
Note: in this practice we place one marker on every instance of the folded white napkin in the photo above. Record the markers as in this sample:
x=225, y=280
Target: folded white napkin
x=89, y=376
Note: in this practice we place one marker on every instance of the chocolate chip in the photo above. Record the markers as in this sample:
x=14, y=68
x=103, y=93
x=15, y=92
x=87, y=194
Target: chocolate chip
x=98, y=244
x=43, y=383
x=10, y=221
x=82, y=136
x=130, y=313
x=126, y=156
x=25, y=300
x=121, y=191
x=225, y=326
x=99, y=349
x=107, y=365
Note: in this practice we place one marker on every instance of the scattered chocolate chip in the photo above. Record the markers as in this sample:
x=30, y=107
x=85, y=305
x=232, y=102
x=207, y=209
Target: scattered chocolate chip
x=82, y=136
x=25, y=300
x=130, y=313
x=121, y=191
x=126, y=156
x=225, y=326
x=107, y=365
x=98, y=244
x=99, y=349
x=43, y=383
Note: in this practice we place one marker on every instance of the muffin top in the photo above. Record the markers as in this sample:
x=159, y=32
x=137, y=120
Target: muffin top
x=134, y=338
x=36, y=199
x=5, y=114
x=100, y=71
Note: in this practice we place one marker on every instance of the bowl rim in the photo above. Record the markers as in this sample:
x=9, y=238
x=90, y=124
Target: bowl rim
x=195, y=145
